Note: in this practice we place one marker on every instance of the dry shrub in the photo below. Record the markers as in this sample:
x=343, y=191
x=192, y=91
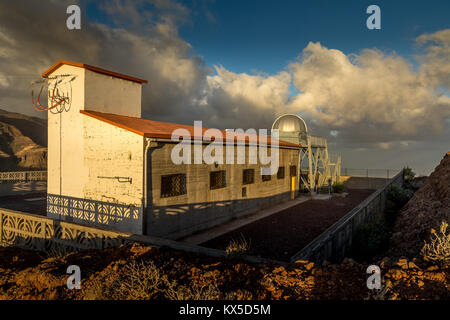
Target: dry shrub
x=56, y=253
x=141, y=281
x=438, y=249
x=210, y=292
x=238, y=247
x=144, y=281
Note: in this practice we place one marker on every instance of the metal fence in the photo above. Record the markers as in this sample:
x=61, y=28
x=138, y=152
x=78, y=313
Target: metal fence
x=22, y=176
x=370, y=173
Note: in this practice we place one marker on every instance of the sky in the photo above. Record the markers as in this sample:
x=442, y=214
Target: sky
x=381, y=97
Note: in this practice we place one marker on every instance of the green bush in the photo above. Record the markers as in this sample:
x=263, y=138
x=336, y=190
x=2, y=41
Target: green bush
x=370, y=239
x=398, y=197
x=338, y=187
x=408, y=174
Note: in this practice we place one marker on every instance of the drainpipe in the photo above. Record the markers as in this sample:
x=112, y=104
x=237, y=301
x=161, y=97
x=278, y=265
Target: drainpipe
x=148, y=143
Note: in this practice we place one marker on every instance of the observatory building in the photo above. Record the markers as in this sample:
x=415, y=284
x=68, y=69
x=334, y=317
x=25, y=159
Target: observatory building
x=109, y=167
x=315, y=166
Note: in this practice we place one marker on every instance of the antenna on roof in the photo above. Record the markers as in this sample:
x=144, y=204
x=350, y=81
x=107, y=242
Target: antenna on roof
x=59, y=89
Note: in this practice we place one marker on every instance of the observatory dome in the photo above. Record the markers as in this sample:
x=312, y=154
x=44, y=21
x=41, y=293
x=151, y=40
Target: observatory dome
x=289, y=123
x=291, y=127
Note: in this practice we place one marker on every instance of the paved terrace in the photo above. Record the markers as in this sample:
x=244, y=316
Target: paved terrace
x=282, y=234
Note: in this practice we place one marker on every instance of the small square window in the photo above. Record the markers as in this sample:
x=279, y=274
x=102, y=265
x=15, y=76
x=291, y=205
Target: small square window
x=217, y=180
x=248, y=176
x=280, y=173
x=293, y=171
x=266, y=177
x=173, y=185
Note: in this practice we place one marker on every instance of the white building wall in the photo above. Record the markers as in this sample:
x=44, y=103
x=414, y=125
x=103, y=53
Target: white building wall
x=81, y=148
x=110, y=151
x=112, y=95
x=66, y=173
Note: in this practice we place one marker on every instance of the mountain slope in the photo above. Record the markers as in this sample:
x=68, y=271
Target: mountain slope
x=429, y=206
x=23, y=142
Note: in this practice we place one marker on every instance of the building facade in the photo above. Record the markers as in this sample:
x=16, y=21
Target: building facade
x=109, y=167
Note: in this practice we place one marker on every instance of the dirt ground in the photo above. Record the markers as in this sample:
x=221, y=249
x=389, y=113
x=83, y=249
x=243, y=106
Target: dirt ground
x=107, y=274
x=283, y=234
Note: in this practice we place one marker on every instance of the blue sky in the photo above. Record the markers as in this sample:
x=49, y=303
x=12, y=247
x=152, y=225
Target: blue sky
x=245, y=36
x=264, y=36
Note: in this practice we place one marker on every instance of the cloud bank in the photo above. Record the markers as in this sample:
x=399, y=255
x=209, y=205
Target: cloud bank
x=371, y=99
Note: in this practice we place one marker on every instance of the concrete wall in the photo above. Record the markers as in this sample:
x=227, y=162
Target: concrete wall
x=200, y=207
x=334, y=243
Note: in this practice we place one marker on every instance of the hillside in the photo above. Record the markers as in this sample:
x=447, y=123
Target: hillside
x=23, y=142
x=426, y=210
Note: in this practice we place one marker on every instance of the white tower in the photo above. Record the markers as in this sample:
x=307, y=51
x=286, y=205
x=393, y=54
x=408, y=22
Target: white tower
x=92, y=89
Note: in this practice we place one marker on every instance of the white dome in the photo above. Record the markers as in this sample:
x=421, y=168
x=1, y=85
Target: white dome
x=289, y=123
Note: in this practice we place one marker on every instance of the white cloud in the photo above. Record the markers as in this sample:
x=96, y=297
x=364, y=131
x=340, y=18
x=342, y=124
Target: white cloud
x=372, y=96
x=367, y=99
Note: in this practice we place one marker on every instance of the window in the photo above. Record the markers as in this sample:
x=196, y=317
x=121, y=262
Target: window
x=173, y=185
x=266, y=177
x=217, y=180
x=293, y=171
x=244, y=191
x=248, y=176
x=280, y=173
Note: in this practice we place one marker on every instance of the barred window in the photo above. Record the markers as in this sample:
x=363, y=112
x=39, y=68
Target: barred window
x=280, y=173
x=217, y=180
x=248, y=176
x=293, y=171
x=173, y=185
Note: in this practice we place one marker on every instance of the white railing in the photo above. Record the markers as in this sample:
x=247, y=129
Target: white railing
x=22, y=176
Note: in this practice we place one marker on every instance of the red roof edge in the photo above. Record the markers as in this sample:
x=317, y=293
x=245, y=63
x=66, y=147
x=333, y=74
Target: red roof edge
x=99, y=116
x=58, y=64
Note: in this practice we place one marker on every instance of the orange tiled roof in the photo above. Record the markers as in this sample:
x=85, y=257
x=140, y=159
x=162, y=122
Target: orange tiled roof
x=163, y=130
x=46, y=73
